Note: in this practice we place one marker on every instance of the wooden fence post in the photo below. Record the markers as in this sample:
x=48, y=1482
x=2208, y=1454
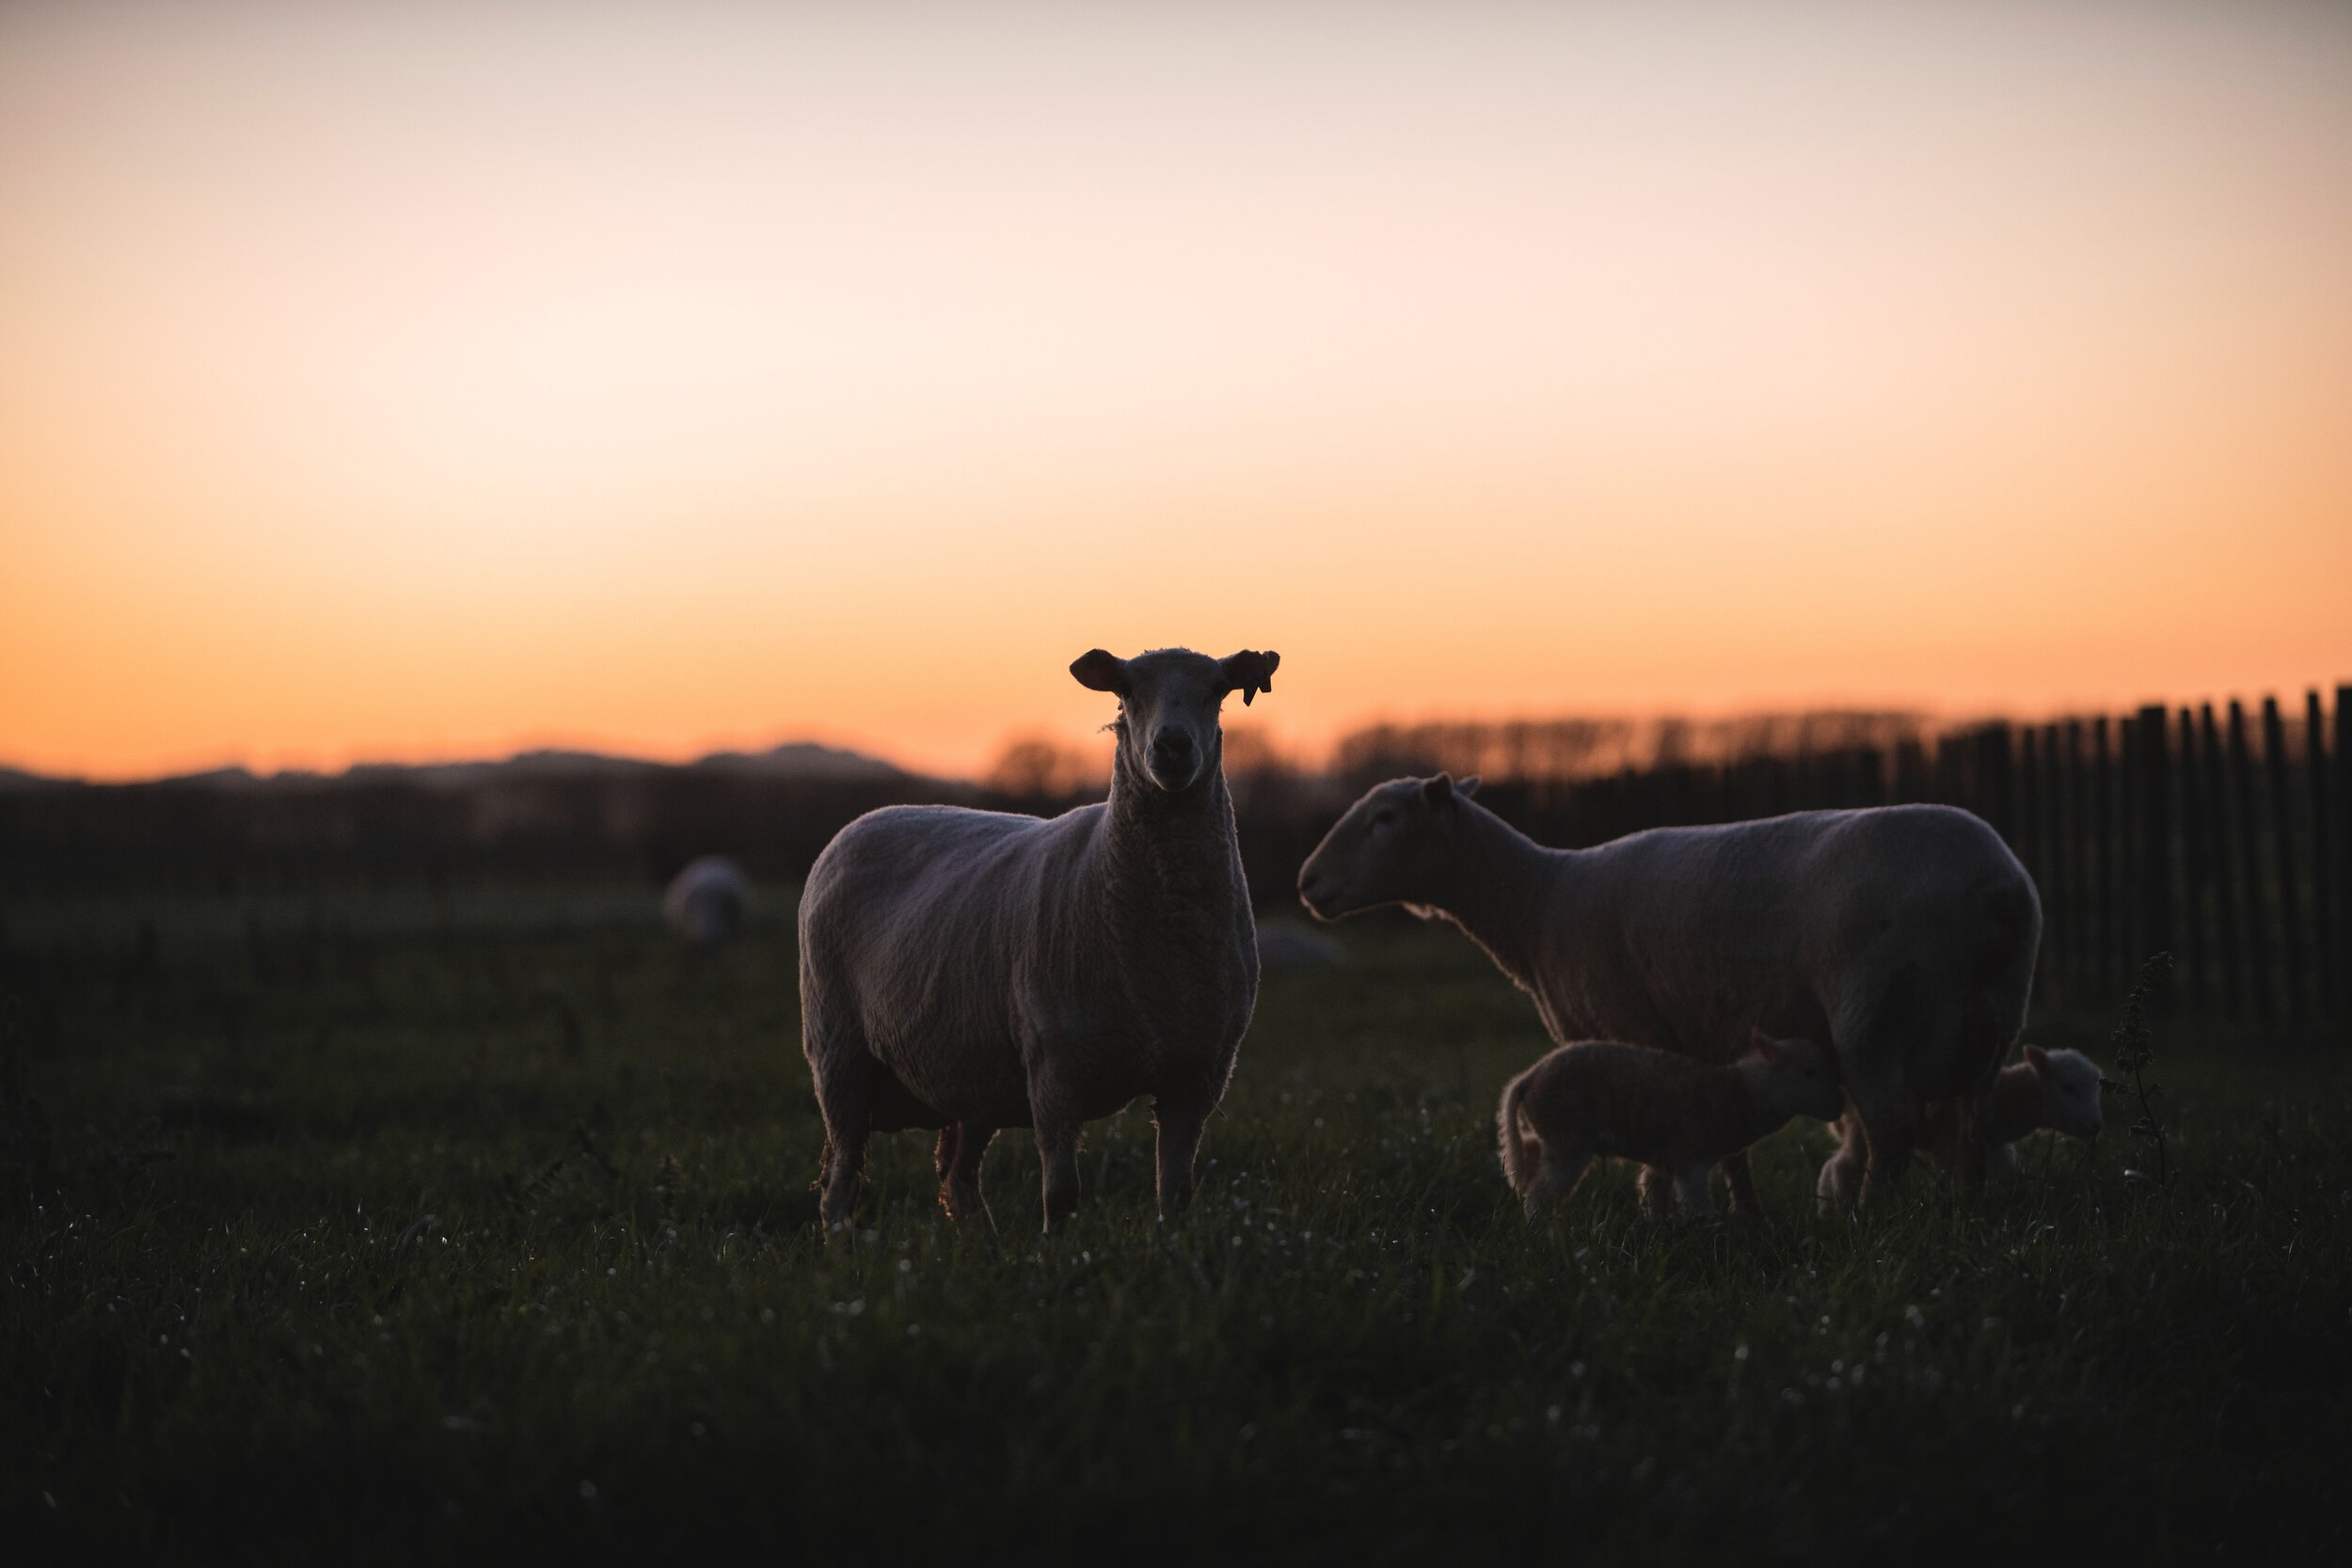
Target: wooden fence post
x=2111, y=875
x=2152, y=733
x=2192, y=868
x=1948, y=781
x=2078, y=857
x=2283, y=848
x=2028, y=837
x=1911, y=770
x=2331, y=978
x=2251, y=868
x=2343, y=863
x=2054, y=890
x=1993, y=781
x=2229, y=918
x=2122, y=944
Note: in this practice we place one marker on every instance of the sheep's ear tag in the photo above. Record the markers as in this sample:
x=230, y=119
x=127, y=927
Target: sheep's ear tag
x=1250, y=673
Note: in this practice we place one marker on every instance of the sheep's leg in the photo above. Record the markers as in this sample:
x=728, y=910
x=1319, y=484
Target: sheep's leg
x=2000, y=1161
x=1559, y=1170
x=1971, y=1111
x=961, y=1148
x=1692, y=1186
x=1652, y=1184
x=1054, y=1121
x=844, y=1074
x=1890, y=1152
x=1841, y=1173
x=1178, y=1123
x=845, y=1096
x=1890, y=1120
x=1742, y=1181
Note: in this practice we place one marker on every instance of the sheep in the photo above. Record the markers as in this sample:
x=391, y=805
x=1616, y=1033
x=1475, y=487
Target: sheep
x=706, y=903
x=970, y=970
x=2056, y=1090
x=1902, y=935
x=1602, y=1098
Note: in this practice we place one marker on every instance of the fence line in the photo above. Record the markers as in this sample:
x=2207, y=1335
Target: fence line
x=2173, y=826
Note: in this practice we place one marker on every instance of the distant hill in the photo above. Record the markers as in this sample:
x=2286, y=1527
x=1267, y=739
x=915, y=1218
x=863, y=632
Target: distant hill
x=804, y=759
x=543, y=812
x=792, y=761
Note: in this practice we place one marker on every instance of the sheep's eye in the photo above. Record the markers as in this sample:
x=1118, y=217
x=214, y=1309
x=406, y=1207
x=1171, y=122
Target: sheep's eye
x=1384, y=820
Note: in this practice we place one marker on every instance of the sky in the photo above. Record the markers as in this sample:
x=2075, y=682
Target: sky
x=403, y=382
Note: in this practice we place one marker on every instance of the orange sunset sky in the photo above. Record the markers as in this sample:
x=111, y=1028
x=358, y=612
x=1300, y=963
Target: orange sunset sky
x=408, y=382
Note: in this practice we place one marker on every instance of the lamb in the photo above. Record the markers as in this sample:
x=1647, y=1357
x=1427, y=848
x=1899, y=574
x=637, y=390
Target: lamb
x=706, y=903
x=2056, y=1090
x=1602, y=1099
x=970, y=970
x=1902, y=935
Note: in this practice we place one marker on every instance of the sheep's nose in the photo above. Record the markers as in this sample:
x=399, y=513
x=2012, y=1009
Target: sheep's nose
x=1171, y=748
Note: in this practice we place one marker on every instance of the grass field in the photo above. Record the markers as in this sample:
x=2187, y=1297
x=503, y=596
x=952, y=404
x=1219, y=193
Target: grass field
x=487, y=1226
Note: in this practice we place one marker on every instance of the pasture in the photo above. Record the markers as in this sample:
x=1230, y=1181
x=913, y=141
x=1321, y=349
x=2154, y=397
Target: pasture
x=371, y=1227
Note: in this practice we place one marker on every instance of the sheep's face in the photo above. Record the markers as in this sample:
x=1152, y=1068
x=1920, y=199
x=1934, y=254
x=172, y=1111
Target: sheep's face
x=1168, y=702
x=1390, y=849
x=1803, y=1072
x=2069, y=1091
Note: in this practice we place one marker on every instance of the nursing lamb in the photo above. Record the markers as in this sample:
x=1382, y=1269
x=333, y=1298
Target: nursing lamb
x=1903, y=936
x=2056, y=1091
x=1677, y=1117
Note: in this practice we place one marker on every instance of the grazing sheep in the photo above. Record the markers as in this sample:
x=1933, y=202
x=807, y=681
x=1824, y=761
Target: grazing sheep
x=706, y=903
x=2056, y=1090
x=1602, y=1100
x=971, y=971
x=1904, y=936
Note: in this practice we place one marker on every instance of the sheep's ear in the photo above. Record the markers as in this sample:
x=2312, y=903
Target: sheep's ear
x=1438, y=791
x=1098, y=671
x=1466, y=788
x=1249, y=672
x=1762, y=1046
x=2037, y=1059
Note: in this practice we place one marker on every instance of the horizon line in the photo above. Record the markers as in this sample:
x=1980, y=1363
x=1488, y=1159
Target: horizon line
x=1941, y=718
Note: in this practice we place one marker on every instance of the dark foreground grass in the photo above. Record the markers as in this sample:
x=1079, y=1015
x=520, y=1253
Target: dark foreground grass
x=495, y=1235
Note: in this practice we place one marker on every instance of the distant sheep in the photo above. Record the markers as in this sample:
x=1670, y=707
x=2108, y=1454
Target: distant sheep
x=706, y=903
x=971, y=971
x=2050, y=1090
x=1903, y=936
x=1602, y=1100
